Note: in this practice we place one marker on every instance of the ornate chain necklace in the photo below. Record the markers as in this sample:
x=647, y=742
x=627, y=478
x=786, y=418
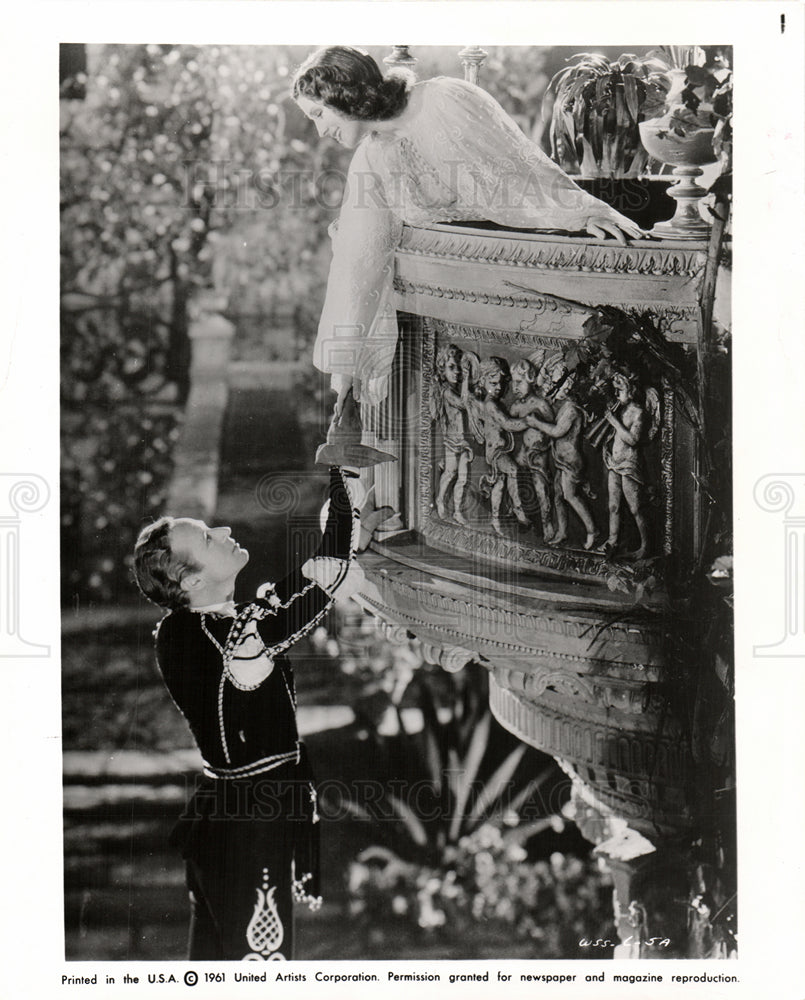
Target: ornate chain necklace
x=227, y=652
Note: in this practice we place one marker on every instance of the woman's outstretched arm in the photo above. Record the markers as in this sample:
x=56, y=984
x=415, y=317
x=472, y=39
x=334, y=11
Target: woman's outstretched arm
x=501, y=174
x=357, y=334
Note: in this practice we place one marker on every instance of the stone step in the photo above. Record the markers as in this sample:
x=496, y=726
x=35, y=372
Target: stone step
x=265, y=374
x=150, y=767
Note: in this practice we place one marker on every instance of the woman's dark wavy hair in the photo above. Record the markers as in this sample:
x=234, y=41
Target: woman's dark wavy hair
x=350, y=82
x=158, y=571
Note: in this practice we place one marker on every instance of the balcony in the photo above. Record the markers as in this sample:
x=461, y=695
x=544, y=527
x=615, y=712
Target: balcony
x=579, y=654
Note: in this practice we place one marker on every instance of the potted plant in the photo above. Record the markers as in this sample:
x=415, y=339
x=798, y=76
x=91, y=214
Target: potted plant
x=598, y=106
x=683, y=131
x=597, y=109
x=693, y=130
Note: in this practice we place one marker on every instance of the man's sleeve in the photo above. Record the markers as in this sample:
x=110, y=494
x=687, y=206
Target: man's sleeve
x=297, y=604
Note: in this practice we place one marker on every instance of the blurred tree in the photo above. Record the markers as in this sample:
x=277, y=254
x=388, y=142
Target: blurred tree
x=180, y=168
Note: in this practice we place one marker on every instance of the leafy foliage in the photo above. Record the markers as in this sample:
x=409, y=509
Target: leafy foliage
x=116, y=463
x=703, y=97
x=467, y=781
x=180, y=169
x=599, y=104
x=518, y=79
x=451, y=848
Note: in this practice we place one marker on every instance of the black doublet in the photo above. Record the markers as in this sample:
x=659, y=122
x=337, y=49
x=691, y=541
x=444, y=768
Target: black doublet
x=248, y=834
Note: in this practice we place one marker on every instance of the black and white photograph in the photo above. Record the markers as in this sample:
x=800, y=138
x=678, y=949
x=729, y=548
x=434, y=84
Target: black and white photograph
x=404, y=566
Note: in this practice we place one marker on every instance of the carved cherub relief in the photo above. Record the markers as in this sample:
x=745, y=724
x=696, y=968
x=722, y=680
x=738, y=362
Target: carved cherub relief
x=547, y=432
x=566, y=431
x=534, y=451
x=449, y=409
x=634, y=422
x=494, y=428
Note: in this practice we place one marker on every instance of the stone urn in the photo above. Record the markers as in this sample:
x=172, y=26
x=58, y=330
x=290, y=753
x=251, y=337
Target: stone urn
x=687, y=153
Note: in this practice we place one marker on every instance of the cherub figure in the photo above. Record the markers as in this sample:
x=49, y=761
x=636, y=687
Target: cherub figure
x=493, y=428
x=566, y=433
x=634, y=424
x=534, y=451
x=449, y=408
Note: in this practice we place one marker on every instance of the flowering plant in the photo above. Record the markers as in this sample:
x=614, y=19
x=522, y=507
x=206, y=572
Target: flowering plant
x=486, y=878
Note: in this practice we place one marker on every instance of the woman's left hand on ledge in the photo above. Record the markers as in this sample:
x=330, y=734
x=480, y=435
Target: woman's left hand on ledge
x=601, y=227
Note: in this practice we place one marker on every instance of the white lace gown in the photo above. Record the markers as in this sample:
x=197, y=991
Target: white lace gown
x=453, y=154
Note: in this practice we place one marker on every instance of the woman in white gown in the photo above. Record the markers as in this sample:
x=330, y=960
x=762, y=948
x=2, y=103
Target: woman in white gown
x=442, y=150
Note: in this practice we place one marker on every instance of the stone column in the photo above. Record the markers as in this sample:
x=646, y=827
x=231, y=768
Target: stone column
x=472, y=58
x=400, y=56
x=786, y=493
x=650, y=886
x=194, y=487
x=650, y=900
x=19, y=493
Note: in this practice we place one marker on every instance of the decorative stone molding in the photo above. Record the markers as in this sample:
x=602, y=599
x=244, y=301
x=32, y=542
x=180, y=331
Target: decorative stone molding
x=633, y=698
x=641, y=777
x=534, y=683
x=674, y=321
x=536, y=638
x=482, y=543
x=470, y=295
x=524, y=339
x=549, y=252
x=545, y=273
x=445, y=654
x=450, y=658
x=394, y=633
